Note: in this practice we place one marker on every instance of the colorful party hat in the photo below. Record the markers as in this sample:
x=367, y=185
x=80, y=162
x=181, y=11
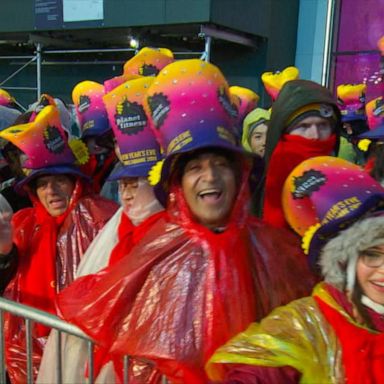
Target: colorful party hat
x=248, y=100
x=44, y=142
x=44, y=100
x=6, y=99
x=148, y=61
x=274, y=81
x=351, y=101
x=324, y=195
x=375, y=115
x=114, y=82
x=88, y=99
x=138, y=148
x=190, y=107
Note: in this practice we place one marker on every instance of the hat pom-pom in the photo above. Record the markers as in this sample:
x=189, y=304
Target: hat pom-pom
x=363, y=145
x=307, y=238
x=154, y=175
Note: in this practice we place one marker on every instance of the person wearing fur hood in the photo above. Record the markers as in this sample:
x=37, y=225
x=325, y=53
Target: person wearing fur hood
x=336, y=334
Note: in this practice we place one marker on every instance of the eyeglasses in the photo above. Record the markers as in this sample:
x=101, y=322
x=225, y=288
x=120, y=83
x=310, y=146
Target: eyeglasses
x=372, y=259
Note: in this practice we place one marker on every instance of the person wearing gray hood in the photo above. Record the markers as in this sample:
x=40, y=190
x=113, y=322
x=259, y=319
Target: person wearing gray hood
x=336, y=334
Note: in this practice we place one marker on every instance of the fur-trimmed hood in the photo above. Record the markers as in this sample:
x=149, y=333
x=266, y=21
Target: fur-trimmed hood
x=339, y=256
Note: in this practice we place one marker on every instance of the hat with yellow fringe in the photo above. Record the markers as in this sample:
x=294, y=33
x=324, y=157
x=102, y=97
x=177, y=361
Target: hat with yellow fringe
x=190, y=107
x=138, y=148
x=324, y=195
x=351, y=101
x=45, y=145
x=274, y=81
x=88, y=99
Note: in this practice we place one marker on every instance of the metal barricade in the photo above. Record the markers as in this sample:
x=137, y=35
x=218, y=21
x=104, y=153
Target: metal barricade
x=32, y=315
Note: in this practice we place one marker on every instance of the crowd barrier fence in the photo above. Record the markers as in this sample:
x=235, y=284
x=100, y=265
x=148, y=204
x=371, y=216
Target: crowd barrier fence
x=32, y=315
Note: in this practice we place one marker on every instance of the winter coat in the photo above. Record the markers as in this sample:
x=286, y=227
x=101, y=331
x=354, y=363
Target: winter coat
x=316, y=339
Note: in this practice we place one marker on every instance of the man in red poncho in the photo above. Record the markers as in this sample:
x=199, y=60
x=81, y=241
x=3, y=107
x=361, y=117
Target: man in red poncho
x=139, y=211
x=206, y=268
x=50, y=238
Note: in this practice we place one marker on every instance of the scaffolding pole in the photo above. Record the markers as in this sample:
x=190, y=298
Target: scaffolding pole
x=328, y=43
x=38, y=70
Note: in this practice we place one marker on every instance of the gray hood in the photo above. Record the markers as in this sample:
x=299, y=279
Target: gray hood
x=339, y=256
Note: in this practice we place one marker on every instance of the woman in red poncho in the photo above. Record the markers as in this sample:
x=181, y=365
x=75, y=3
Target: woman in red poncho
x=50, y=238
x=207, y=267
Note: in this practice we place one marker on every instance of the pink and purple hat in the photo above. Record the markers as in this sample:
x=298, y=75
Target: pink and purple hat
x=45, y=145
x=139, y=150
x=88, y=99
x=147, y=62
x=351, y=101
x=375, y=116
x=190, y=107
x=6, y=99
x=248, y=100
x=324, y=195
x=114, y=82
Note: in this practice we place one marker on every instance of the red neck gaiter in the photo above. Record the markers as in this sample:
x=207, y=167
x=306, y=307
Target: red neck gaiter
x=37, y=272
x=290, y=151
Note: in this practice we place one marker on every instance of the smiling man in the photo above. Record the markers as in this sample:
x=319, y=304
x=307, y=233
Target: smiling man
x=44, y=244
x=209, y=183
x=207, y=267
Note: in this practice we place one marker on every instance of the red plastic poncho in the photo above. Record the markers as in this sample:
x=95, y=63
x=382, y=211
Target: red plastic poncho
x=184, y=290
x=49, y=250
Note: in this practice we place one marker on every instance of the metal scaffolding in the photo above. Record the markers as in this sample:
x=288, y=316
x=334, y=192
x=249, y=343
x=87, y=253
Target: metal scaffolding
x=40, y=57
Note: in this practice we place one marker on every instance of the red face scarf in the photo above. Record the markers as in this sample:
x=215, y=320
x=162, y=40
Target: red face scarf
x=37, y=268
x=290, y=151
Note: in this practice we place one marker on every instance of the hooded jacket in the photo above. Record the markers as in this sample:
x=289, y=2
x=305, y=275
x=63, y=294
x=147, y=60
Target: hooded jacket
x=317, y=336
x=293, y=96
x=175, y=298
x=37, y=278
x=257, y=115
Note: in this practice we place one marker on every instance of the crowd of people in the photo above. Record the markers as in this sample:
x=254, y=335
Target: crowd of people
x=177, y=222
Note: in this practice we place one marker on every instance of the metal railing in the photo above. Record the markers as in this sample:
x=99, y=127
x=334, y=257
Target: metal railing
x=32, y=315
